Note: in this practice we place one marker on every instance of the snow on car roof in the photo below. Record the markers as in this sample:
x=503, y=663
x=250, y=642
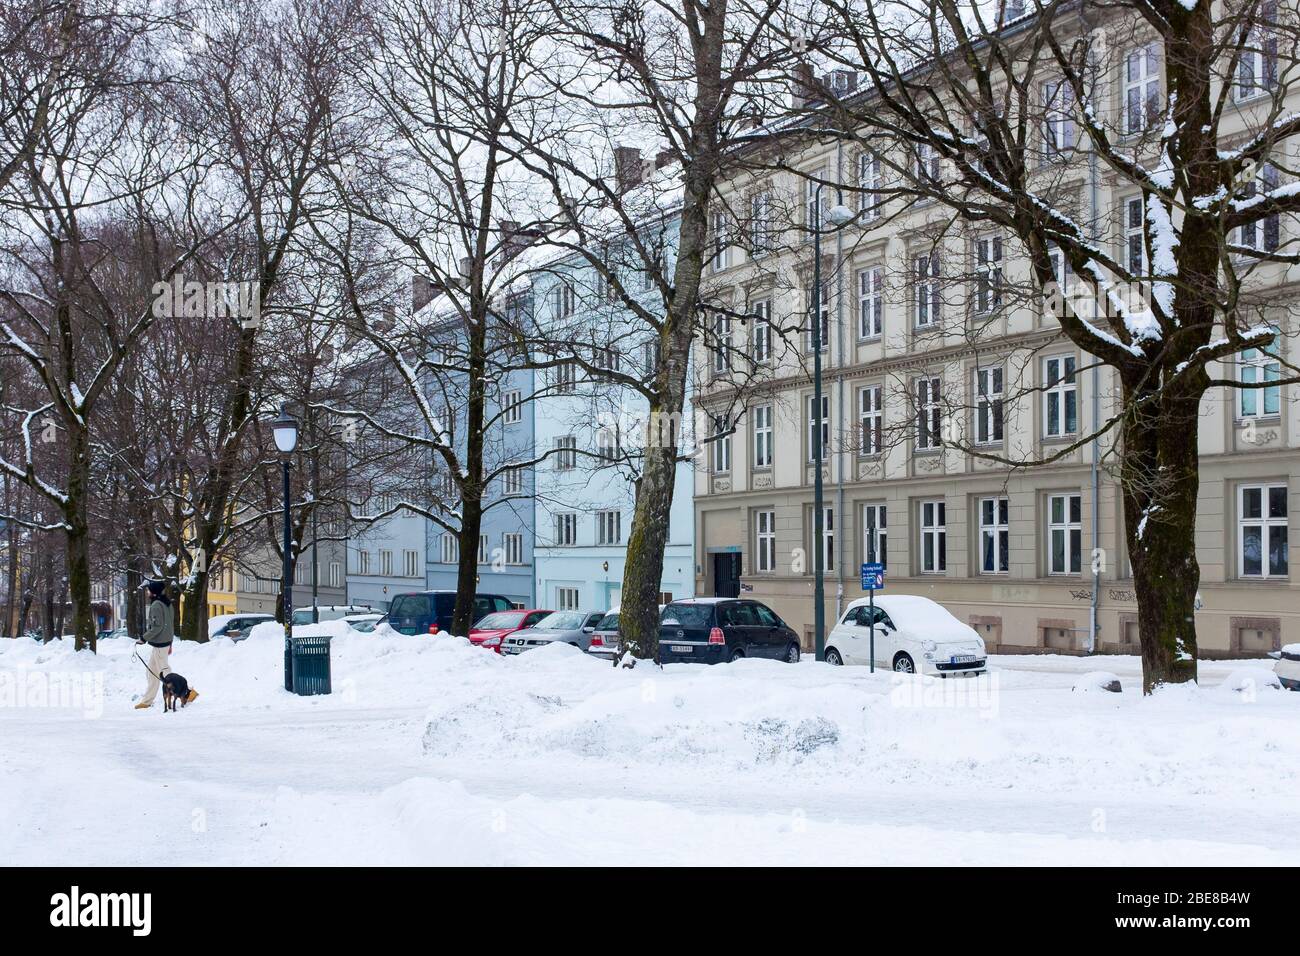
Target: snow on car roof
x=914, y=606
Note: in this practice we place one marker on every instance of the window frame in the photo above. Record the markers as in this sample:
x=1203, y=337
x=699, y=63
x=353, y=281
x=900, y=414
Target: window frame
x=1266, y=523
x=871, y=302
x=1070, y=529
x=934, y=533
x=765, y=541
x=763, y=432
x=871, y=419
x=995, y=528
x=1065, y=387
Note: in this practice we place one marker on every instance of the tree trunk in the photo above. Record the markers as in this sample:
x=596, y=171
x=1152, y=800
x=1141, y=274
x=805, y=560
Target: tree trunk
x=471, y=487
x=78, y=538
x=15, y=579
x=1160, y=478
x=194, y=608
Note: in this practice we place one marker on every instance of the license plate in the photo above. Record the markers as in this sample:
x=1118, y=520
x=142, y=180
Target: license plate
x=962, y=659
x=681, y=649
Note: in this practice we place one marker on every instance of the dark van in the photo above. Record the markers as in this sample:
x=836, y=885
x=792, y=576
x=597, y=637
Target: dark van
x=713, y=630
x=429, y=612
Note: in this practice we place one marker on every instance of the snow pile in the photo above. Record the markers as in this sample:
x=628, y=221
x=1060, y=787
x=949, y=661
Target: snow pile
x=1249, y=680
x=1099, y=681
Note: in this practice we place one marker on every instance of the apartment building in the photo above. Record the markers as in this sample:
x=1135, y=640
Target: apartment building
x=1033, y=558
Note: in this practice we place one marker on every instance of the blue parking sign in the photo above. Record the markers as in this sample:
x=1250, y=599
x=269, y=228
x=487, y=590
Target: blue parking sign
x=873, y=577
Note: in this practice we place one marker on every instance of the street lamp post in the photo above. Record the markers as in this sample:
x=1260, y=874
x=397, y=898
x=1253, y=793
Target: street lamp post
x=285, y=431
x=837, y=217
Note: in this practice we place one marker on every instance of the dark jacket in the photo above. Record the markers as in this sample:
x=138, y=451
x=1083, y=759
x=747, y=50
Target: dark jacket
x=159, y=626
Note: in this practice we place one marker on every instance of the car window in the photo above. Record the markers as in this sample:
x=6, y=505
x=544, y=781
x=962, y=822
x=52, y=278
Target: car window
x=688, y=615
x=411, y=606
x=765, y=616
x=608, y=623
x=883, y=618
x=501, y=619
x=561, y=621
x=482, y=605
x=535, y=617
x=501, y=604
x=594, y=619
x=738, y=615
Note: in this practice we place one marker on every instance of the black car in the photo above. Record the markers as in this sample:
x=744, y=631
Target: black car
x=429, y=612
x=713, y=630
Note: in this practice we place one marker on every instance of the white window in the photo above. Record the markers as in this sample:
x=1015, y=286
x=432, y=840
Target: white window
x=1257, y=72
x=1262, y=520
x=513, y=544
x=566, y=457
x=482, y=549
x=760, y=223
x=1142, y=101
x=763, y=436
x=1058, y=118
x=566, y=529
x=609, y=527
x=934, y=537
x=762, y=340
x=871, y=419
x=650, y=357
x=1061, y=272
x=1064, y=534
x=1254, y=367
x=450, y=549
x=925, y=289
x=1135, y=253
x=386, y=563
x=812, y=215
x=605, y=358
x=988, y=405
x=566, y=599
x=875, y=535
x=995, y=536
x=721, y=442
x=512, y=481
x=820, y=334
x=1261, y=235
x=363, y=562
x=411, y=563
x=564, y=299
x=870, y=181
x=608, y=446
x=720, y=244
x=566, y=377
x=929, y=413
x=765, y=539
x=512, y=407
x=816, y=428
x=927, y=164
x=828, y=539
x=721, y=344
x=1060, y=397
x=988, y=274
x=336, y=574
x=871, y=302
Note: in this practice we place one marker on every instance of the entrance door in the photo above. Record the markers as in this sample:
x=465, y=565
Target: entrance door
x=726, y=574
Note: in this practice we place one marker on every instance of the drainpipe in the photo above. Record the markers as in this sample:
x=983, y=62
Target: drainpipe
x=1093, y=191
x=839, y=387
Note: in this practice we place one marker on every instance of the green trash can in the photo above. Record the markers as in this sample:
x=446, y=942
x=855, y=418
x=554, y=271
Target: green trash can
x=309, y=671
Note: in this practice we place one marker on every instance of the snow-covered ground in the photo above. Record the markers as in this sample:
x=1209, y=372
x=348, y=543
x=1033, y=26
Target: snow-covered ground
x=431, y=751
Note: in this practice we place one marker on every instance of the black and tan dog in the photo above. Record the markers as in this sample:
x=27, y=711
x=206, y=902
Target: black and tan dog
x=175, y=688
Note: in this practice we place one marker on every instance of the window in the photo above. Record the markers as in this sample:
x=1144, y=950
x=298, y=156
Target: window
x=762, y=340
x=1262, y=518
x=1060, y=397
x=1262, y=235
x=760, y=223
x=450, y=549
x=566, y=599
x=363, y=562
x=870, y=181
x=988, y=274
x=650, y=357
x=1141, y=88
x=871, y=419
x=566, y=457
x=812, y=215
x=929, y=414
x=874, y=535
x=1061, y=272
x=566, y=377
x=828, y=539
x=720, y=247
x=564, y=300
x=934, y=537
x=995, y=537
x=765, y=539
x=988, y=405
x=1255, y=366
x=608, y=447
x=512, y=481
x=1064, y=534
x=721, y=344
x=1257, y=66
x=512, y=407
x=763, y=436
x=411, y=563
x=820, y=334
x=721, y=441
x=925, y=289
x=336, y=574
x=566, y=529
x=1058, y=118
x=609, y=527
x=482, y=549
x=605, y=358
x=386, y=562
x=1134, y=236
x=871, y=302
x=927, y=164
x=822, y=429
x=513, y=544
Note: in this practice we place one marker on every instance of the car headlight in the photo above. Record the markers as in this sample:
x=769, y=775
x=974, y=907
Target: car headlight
x=928, y=646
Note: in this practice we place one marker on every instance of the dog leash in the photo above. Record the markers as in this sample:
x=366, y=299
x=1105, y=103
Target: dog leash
x=146, y=666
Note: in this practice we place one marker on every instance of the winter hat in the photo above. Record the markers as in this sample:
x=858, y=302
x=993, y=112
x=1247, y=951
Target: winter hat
x=156, y=588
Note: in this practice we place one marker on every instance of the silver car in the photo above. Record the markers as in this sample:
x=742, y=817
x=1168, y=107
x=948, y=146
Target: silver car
x=570, y=627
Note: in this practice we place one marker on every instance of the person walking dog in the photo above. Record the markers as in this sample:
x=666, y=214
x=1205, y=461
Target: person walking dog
x=158, y=632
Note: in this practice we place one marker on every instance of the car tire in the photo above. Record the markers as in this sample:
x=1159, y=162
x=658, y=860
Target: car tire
x=735, y=655
x=833, y=657
x=792, y=654
x=904, y=664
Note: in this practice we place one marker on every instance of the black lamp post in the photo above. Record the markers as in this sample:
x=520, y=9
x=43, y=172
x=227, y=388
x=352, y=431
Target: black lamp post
x=285, y=431
x=837, y=217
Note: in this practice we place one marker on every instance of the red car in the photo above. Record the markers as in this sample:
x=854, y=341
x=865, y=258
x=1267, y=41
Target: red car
x=491, y=630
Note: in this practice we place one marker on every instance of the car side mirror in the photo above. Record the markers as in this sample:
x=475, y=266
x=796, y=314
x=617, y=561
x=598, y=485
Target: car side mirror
x=588, y=630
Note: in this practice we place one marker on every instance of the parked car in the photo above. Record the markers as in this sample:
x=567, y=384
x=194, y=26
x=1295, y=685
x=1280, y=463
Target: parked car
x=364, y=623
x=1287, y=667
x=429, y=612
x=607, y=639
x=329, y=612
x=913, y=635
x=570, y=627
x=235, y=626
x=713, y=630
x=493, y=629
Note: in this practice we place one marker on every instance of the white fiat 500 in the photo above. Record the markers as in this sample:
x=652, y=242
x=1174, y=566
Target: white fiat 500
x=914, y=635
